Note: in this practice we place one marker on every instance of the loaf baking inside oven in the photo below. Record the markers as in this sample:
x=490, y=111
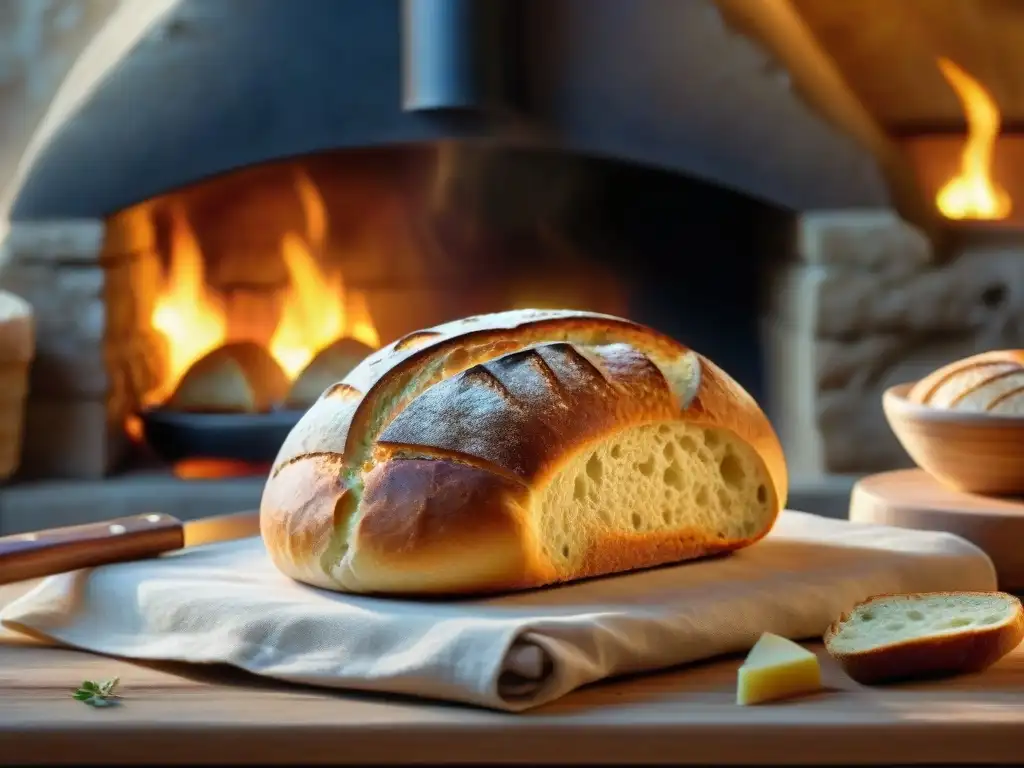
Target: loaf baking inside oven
x=519, y=449
x=992, y=382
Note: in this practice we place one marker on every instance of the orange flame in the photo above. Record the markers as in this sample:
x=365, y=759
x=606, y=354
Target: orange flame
x=972, y=194
x=316, y=309
x=186, y=312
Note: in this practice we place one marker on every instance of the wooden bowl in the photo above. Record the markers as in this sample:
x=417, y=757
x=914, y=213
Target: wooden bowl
x=972, y=452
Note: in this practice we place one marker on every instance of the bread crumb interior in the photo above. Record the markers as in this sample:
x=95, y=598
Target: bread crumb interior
x=654, y=478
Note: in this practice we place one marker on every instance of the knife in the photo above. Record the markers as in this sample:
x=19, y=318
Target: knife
x=57, y=550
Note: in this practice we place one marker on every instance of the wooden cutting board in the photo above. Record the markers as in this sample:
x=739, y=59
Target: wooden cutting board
x=177, y=714
x=911, y=498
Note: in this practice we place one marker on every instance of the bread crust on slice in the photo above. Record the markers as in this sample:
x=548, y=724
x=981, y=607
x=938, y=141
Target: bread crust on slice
x=435, y=465
x=966, y=646
x=990, y=382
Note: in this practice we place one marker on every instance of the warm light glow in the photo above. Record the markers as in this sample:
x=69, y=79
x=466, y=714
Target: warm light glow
x=187, y=313
x=971, y=194
x=316, y=310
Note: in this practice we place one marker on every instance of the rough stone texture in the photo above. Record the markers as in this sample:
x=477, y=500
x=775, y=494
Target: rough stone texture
x=863, y=310
x=72, y=438
x=95, y=351
x=861, y=239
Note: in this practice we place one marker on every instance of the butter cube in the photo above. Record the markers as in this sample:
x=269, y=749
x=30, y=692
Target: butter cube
x=776, y=668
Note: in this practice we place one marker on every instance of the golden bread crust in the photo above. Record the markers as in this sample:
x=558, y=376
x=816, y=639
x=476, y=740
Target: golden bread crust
x=445, y=434
x=438, y=525
x=459, y=344
x=522, y=414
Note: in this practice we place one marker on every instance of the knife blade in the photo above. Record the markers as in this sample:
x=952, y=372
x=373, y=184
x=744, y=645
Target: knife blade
x=58, y=550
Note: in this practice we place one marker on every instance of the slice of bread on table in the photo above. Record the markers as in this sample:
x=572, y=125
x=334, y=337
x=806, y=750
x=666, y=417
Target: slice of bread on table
x=520, y=449
x=898, y=637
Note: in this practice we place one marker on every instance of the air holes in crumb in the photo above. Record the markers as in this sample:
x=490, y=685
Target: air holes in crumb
x=720, y=534
x=666, y=516
x=895, y=626
x=636, y=520
x=669, y=450
x=732, y=471
x=616, y=451
x=674, y=476
x=990, y=620
x=915, y=615
x=594, y=469
x=958, y=622
x=867, y=616
x=723, y=499
x=579, y=490
x=762, y=494
x=711, y=438
x=565, y=550
x=687, y=444
x=664, y=429
x=701, y=497
x=646, y=467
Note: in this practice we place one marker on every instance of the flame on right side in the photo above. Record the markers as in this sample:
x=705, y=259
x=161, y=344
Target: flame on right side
x=972, y=194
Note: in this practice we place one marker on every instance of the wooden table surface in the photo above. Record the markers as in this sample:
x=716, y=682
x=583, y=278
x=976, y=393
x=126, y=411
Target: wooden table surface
x=177, y=714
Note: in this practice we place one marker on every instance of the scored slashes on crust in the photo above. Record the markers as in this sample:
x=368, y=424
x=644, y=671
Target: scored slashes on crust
x=328, y=499
x=990, y=382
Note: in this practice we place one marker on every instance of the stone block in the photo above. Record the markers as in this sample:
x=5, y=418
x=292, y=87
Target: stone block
x=979, y=288
x=48, y=241
x=861, y=239
x=836, y=337
x=71, y=439
x=88, y=318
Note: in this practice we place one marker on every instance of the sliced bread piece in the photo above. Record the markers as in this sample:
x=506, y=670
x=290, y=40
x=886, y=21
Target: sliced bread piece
x=898, y=637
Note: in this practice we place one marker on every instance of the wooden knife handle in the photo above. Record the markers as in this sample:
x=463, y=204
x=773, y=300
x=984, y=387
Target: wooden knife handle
x=44, y=553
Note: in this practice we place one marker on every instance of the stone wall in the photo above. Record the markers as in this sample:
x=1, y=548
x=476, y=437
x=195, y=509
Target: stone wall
x=91, y=290
x=864, y=307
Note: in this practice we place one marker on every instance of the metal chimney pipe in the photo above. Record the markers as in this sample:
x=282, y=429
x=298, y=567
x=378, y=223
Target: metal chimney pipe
x=451, y=55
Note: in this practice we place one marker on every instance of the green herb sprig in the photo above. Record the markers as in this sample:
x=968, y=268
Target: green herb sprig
x=99, y=694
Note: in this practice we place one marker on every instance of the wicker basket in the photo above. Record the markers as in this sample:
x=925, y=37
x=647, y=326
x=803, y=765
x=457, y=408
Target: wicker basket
x=17, y=347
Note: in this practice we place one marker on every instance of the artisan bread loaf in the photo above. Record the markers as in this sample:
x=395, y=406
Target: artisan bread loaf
x=331, y=364
x=520, y=449
x=240, y=377
x=896, y=637
x=992, y=382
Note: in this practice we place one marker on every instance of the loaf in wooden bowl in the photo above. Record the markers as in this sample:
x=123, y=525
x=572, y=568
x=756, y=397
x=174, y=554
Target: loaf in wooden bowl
x=964, y=423
x=992, y=382
x=519, y=449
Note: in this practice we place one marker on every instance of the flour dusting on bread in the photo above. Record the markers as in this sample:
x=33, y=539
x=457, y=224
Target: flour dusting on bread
x=991, y=382
x=520, y=449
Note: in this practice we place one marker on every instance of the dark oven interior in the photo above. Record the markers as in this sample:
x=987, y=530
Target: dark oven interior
x=322, y=258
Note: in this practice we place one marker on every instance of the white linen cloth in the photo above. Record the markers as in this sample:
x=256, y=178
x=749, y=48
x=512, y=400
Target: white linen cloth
x=227, y=603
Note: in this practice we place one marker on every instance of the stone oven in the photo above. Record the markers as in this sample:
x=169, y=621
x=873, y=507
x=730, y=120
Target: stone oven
x=291, y=174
